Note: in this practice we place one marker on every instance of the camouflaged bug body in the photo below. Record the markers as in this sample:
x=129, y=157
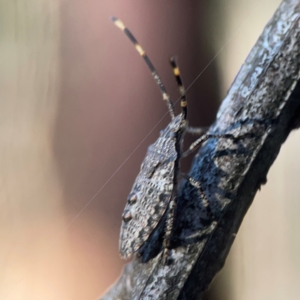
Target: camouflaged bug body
x=154, y=191
x=153, y=188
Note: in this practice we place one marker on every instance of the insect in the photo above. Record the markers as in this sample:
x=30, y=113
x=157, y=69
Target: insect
x=154, y=191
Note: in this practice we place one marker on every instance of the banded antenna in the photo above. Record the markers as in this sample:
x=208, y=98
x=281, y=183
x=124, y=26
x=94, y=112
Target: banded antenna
x=183, y=102
x=154, y=73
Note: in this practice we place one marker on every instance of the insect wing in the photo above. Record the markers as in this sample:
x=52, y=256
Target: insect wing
x=149, y=197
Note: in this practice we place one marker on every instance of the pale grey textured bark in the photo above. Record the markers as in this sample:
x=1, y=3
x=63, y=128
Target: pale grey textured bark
x=261, y=108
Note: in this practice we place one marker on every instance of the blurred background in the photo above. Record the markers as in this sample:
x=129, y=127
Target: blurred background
x=78, y=111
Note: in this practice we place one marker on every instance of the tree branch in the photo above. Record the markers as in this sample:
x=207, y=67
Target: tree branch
x=260, y=109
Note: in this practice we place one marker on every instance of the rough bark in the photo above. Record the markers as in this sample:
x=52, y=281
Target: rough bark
x=260, y=110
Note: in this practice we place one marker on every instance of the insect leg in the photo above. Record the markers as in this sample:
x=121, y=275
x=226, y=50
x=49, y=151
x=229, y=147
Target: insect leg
x=154, y=73
x=196, y=184
x=204, y=138
x=197, y=130
x=169, y=223
x=172, y=210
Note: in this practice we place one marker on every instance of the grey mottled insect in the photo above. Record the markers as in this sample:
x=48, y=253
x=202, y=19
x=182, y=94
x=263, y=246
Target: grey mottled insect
x=154, y=191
